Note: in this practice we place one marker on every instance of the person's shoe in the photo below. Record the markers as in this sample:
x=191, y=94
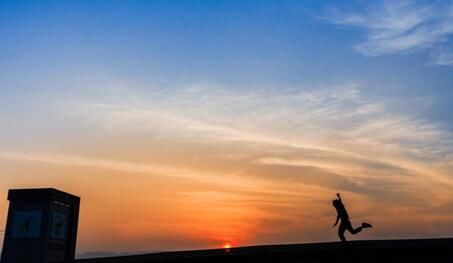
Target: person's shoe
x=366, y=225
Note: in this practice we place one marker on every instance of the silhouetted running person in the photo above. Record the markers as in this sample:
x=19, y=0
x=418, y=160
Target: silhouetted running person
x=345, y=222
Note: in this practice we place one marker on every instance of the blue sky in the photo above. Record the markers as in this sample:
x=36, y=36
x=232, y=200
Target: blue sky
x=246, y=43
x=359, y=90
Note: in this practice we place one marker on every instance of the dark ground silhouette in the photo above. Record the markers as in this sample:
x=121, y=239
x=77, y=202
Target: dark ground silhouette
x=421, y=250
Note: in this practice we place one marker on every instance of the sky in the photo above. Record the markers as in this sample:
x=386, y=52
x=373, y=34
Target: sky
x=193, y=124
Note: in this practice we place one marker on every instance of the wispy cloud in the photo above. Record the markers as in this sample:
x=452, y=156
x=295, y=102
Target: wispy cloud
x=206, y=112
x=213, y=177
x=73, y=160
x=337, y=121
x=402, y=27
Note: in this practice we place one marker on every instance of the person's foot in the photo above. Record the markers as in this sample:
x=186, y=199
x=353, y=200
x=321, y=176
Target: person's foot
x=366, y=225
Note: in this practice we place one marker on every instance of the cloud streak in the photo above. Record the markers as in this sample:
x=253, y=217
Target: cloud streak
x=336, y=122
x=122, y=166
x=394, y=27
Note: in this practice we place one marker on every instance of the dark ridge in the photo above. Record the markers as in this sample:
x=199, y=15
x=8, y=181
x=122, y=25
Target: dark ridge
x=411, y=250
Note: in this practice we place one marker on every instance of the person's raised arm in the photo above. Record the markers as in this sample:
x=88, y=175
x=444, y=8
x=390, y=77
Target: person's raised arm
x=338, y=195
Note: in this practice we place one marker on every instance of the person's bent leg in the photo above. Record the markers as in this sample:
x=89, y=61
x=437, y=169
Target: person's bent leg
x=352, y=230
x=355, y=231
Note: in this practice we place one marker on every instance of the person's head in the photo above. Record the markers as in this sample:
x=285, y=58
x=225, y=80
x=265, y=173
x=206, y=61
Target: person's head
x=336, y=203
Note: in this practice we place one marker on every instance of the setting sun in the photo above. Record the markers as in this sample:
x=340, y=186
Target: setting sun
x=227, y=245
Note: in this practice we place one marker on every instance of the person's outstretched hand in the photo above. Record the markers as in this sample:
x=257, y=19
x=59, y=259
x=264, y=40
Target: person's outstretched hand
x=338, y=195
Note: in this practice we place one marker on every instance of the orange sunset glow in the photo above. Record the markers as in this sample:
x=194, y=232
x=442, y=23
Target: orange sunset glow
x=190, y=124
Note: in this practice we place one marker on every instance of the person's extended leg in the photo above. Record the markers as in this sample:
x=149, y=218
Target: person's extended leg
x=357, y=230
x=341, y=230
x=352, y=230
x=366, y=225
